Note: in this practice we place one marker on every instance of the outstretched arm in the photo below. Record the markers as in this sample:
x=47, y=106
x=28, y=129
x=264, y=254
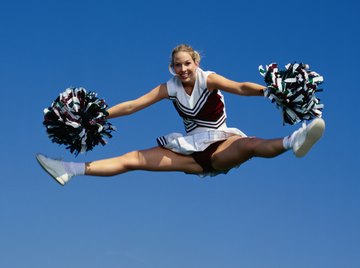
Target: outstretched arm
x=132, y=106
x=216, y=81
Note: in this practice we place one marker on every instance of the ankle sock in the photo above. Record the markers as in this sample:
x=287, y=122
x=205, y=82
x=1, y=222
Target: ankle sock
x=74, y=169
x=287, y=142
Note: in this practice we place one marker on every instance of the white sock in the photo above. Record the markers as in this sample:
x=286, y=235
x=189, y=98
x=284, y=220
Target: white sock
x=74, y=169
x=287, y=142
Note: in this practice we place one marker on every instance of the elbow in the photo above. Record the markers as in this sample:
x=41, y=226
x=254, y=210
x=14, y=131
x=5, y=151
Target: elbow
x=127, y=109
x=243, y=89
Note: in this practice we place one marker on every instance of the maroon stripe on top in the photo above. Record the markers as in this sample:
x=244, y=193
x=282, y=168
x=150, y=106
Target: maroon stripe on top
x=211, y=111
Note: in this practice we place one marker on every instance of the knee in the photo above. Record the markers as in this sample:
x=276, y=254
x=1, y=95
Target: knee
x=131, y=160
x=251, y=145
x=248, y=145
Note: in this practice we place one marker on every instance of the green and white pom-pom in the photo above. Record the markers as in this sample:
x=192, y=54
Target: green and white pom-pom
x=77, y=119
x=293, y=90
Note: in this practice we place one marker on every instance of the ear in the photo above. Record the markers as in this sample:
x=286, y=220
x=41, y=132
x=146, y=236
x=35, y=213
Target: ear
x=171, y=70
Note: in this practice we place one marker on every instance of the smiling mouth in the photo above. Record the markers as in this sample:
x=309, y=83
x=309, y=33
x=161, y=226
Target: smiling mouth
x=184, y=76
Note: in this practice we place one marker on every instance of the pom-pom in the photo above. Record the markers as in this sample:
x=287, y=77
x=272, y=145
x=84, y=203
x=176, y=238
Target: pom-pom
x=77, y=119
x=293, y=90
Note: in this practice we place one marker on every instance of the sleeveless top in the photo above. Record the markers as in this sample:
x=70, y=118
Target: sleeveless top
x=203, y=108
x=203, y=113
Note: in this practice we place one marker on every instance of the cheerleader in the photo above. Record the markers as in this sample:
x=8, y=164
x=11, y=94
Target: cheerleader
x=208, y=147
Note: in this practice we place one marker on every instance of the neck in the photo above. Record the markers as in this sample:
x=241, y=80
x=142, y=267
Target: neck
x=188, y=87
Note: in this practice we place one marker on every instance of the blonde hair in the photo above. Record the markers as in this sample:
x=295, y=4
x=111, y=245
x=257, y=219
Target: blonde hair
x=184, y=48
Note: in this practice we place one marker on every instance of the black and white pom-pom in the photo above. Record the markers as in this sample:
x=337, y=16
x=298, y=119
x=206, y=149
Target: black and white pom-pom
x=293, y=90
x=77, y=119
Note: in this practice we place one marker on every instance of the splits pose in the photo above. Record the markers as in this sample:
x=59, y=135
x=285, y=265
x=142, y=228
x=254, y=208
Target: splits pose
x=209, y=146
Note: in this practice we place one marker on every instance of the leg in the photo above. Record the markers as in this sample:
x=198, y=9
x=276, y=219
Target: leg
x=237, y=150
x=154, y=159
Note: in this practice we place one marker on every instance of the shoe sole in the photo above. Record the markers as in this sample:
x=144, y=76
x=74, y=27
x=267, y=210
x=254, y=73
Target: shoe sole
x=61, y=182
x=315, y=131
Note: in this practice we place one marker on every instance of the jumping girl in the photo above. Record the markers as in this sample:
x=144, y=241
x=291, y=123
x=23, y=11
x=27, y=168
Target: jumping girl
x=209, y=146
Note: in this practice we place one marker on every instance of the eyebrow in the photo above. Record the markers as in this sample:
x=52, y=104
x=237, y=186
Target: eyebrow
x=187, y=61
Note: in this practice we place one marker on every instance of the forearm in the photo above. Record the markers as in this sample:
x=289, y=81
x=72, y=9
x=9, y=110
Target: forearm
x=121, y=109
x=251, y=89
x=132, y=106
x=216, y=81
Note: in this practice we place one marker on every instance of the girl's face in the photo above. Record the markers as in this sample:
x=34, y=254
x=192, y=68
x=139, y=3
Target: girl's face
x=185, y=67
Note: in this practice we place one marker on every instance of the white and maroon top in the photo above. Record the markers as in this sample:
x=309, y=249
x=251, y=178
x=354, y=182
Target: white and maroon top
x=203, y=113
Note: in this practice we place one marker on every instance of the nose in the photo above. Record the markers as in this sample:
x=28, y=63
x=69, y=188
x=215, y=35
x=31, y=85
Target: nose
x=183, y=67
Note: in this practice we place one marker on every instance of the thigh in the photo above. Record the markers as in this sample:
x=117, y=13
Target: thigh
x=232, y=152
x=154, y=159
x=161, y=159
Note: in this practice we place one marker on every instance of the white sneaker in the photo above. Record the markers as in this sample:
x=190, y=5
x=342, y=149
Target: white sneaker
x=305, y=137
x=54, y=168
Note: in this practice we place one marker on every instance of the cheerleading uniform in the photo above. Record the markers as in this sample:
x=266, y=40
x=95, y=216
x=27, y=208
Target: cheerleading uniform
x=204, y=117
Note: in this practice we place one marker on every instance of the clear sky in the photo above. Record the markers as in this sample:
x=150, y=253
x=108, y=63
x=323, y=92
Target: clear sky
x=274, y=213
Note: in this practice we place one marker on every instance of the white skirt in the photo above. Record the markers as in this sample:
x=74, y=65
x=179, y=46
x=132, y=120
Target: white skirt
x=197, y=140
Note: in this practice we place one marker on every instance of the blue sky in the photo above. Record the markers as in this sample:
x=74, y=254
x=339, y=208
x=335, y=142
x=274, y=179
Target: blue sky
x=282, y=212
